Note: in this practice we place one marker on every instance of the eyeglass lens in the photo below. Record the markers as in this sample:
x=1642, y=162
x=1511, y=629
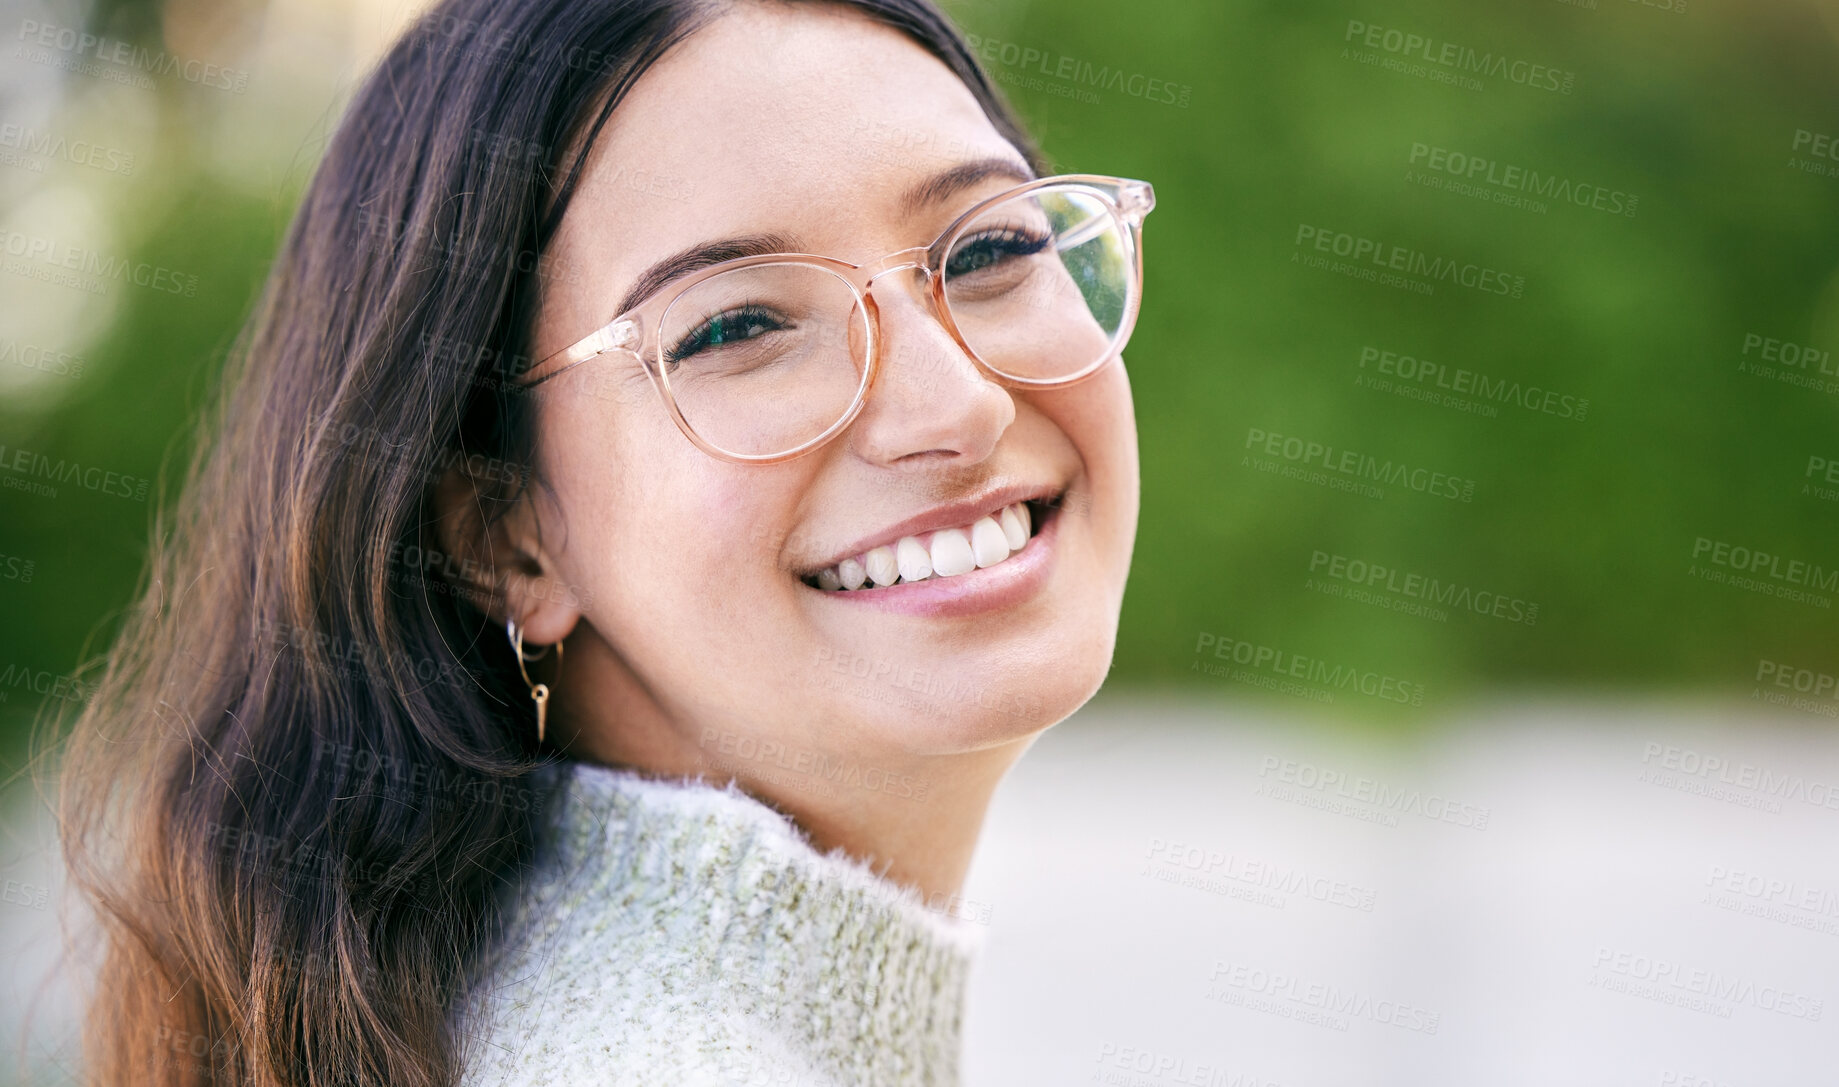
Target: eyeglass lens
x=765, y=358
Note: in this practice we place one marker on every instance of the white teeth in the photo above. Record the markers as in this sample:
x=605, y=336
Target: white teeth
x=988, y=542
x=881, y=565
x=1013, y=531
x=951, y=553
x=914, y=560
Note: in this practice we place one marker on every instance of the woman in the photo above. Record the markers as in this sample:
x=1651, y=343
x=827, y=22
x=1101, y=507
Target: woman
x=615, y=586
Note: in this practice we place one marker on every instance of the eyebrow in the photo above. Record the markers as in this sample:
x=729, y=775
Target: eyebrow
x=934, y=189
x=965, y=175
x=700, y=256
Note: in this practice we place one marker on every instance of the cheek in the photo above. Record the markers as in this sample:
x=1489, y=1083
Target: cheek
x=1098, y=418
x=657, y=527
x=1112, y=388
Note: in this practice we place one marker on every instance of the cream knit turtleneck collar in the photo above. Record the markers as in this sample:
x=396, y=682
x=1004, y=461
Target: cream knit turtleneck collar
x=676, y=933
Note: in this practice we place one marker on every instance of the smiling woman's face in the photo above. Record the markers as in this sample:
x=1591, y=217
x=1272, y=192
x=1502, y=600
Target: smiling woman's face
x=700, y=620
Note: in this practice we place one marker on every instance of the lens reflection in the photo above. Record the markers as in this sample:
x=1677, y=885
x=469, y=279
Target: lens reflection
x=1039, y=285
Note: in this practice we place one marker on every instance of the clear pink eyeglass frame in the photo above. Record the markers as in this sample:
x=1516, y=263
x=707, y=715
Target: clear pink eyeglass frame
x=635, y=331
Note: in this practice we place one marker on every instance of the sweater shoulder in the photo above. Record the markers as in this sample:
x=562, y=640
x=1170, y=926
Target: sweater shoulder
x=684, y=1042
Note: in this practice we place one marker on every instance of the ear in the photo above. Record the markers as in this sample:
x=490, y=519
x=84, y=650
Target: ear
x=500, y=563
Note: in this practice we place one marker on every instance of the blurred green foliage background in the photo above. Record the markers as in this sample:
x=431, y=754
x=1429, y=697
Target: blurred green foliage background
x=1285, y=119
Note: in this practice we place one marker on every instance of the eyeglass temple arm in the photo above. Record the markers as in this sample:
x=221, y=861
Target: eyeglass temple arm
x=1134, y=208
x=1082, y=233
x=615, y=334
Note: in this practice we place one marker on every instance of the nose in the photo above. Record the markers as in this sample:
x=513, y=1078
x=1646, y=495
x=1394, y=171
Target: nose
x=914, y=258
x=930, y=404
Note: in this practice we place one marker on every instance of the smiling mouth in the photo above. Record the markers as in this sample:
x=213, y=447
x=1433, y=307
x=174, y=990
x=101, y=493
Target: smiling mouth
x=945, y=553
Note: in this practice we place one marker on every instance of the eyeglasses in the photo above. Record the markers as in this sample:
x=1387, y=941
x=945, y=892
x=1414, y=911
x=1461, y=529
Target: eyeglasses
x=760, y=359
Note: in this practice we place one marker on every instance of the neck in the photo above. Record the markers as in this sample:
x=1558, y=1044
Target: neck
x=913, y=818
x=919, y=829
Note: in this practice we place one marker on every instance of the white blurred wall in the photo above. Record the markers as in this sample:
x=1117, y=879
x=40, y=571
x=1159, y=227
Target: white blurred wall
x=1654, y=899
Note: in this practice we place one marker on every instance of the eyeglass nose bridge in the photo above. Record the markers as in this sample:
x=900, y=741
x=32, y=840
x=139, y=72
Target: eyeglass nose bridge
x=896, y=262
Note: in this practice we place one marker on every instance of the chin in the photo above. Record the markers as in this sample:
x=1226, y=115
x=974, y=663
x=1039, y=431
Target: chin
x=987, y=697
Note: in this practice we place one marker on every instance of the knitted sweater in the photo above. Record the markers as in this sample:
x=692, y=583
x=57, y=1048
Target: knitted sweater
x=674, y=933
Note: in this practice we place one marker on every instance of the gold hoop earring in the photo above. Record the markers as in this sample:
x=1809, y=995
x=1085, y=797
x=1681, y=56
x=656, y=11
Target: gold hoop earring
x=539, y=692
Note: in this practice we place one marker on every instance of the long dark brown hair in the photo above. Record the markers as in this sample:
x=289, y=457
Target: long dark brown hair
x=306, y=779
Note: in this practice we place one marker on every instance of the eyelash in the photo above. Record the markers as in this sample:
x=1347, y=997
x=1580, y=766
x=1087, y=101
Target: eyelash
x=697, y=339
x=1023, y=244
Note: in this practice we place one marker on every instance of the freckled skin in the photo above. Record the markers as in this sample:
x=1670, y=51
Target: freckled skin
x=696, y=633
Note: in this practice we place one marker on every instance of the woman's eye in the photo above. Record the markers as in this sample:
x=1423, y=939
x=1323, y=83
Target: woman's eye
x=731, y=326
x=993, y=247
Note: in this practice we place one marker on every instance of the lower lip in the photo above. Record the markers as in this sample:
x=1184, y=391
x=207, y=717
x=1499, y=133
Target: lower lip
x=991, y=588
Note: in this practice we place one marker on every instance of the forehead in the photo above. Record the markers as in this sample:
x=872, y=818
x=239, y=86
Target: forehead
x=808, y=99
x=801, y=119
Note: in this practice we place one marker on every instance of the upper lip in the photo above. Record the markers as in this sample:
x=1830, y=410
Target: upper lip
x=954, y=514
